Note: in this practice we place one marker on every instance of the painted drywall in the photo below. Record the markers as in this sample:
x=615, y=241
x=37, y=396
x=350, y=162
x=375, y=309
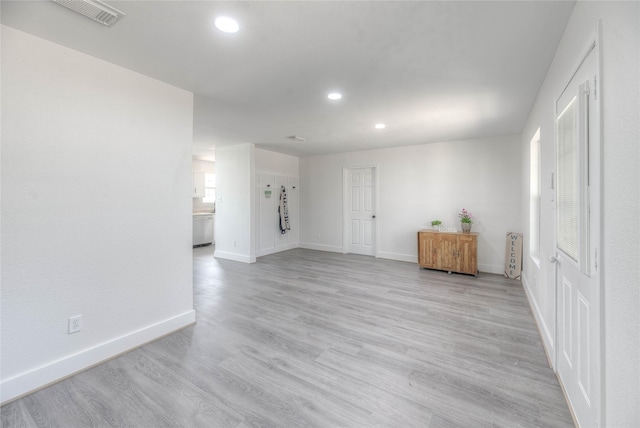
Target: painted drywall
x=204, y=166
x=96, y=210
x=276, y=163
x=418, y=184
x=235, y=201
x=269, y=235
x=274, y=170
x=620, y=257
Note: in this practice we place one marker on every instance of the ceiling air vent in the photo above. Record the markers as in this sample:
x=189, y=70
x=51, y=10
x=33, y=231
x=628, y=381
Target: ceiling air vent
x=296, y=138
x=94, y=9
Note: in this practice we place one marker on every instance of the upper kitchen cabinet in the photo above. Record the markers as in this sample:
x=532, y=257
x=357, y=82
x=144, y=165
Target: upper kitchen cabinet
x=198, y=184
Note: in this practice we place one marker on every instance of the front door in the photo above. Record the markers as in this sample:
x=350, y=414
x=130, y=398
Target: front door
x=360, y=226
x=578, y=241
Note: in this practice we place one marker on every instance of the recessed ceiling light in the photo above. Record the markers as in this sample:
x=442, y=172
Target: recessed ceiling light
x=226, y=24
x=334, y=96
x=380, y=126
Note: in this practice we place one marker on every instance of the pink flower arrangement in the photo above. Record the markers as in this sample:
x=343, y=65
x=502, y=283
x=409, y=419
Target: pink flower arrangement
x=465, y=216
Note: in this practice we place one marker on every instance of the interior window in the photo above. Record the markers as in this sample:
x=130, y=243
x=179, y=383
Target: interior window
x=209, y=188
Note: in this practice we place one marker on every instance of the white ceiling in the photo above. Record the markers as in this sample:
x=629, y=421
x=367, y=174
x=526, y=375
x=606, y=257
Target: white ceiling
x=432, y=71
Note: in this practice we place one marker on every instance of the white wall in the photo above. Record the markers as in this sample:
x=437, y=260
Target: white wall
x=204, y=166
x=418, y=184
x=272, y=171
x=621, y=188
x=96, y=177
x=276, y=163
x=235, y=184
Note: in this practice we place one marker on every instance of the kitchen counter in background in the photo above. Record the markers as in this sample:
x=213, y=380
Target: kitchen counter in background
x=203, y=226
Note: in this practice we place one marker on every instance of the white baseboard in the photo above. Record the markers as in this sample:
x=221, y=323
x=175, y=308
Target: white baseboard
x=274, y=250
x=233, y=256
x=545, y=334
x=399, y=257
x=55, y=371
x=320, y=247
x=499, y=270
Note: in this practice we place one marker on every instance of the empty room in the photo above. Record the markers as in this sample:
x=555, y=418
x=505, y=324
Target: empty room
x=320, y=213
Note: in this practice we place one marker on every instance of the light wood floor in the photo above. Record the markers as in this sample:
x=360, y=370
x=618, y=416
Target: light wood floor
x=313, y=339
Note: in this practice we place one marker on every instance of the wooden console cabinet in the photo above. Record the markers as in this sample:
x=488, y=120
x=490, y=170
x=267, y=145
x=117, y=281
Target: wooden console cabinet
x=449, y=251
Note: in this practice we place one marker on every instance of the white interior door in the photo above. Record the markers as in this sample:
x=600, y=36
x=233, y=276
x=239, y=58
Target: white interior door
x=361, y=199
x=577, y=242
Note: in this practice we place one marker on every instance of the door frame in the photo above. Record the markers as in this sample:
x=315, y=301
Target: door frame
x=346, y=224
x=594, y=43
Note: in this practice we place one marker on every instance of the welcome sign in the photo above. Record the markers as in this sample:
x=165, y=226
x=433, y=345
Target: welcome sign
x=513, y=256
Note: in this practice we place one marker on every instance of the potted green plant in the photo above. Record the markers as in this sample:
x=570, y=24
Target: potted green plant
x=436, y=224
x=466, y=220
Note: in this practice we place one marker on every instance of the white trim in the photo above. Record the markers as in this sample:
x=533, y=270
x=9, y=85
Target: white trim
x=268, y=251
x=411, y=258
x=345, y=207
x=536, y=261
x=234, y=256
x=321, y=247
x=543, y=329
x=28, y=382
x=599, y=258
x=496, y=269
x=345, y=214
x=594, y=44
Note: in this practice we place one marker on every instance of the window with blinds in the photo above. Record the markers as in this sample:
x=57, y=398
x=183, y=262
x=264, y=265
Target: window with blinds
x=568, y=182
x=534, y=198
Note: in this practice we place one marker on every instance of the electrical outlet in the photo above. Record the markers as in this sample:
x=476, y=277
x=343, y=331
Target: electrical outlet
x=75, y=324
x=234, y=243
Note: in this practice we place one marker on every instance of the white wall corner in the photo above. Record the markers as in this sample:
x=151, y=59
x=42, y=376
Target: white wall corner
x=543, y=329
x=410, y=258
x=55, y=371
x=321, y=247
x=252, y=203
x=51, y=85
x=489, y=268
x=266, y=252
x=234, y=257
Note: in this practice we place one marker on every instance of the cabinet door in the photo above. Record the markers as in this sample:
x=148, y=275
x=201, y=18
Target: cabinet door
x=448, y=252
x=467, y=254
x=198, y=184
x=427, y=249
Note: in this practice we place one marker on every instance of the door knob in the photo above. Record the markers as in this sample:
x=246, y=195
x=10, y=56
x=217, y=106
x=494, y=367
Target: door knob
x=553, y=259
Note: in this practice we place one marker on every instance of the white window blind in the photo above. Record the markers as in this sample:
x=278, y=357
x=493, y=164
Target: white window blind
x=534, y=195
x=568, y=181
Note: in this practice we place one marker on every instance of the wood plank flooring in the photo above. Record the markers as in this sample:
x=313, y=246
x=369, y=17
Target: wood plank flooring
x=313, y=339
